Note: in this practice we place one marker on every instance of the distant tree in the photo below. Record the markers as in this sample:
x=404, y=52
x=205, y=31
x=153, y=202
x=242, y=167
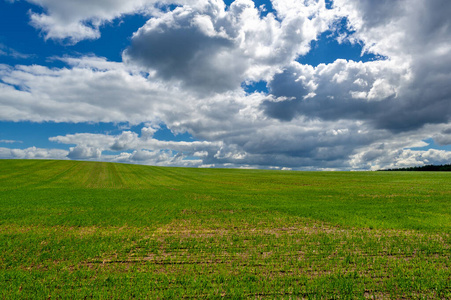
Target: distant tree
x=434, y=168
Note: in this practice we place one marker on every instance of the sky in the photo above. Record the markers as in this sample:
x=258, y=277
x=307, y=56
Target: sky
x=281, y=84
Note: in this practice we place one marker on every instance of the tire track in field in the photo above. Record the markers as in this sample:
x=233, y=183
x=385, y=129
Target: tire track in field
x=103, y=175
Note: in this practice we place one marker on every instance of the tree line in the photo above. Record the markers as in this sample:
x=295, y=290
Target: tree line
x=424, y=168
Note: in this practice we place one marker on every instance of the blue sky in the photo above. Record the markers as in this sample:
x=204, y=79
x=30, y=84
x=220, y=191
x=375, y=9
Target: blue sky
x=308, y=85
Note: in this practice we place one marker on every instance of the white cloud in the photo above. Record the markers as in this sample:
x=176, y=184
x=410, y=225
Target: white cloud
x=10, y=141
x=7, y=51
x=83, y=152
x=399, y=158
x=130, y=140
x=143, y=148
x=33, y=153
x=78, y=20
x=93, y=90
x=156, y=158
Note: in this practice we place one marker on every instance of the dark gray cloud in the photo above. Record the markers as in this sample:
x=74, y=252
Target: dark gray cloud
x=184, y=45
x=424, y=100
x=186, y=53
x=444, y=137
x=342, y=90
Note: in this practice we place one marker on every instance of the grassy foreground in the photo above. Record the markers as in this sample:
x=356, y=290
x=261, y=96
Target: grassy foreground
x=76, y=230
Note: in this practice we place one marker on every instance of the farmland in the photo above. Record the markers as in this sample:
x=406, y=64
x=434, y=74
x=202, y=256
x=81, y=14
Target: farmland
x=101, y=230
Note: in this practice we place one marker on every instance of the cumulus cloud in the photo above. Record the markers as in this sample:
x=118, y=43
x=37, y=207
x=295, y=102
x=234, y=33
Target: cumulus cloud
x=74, y=21
x=398, y=28
x=92, y=90
x=215, y=50
x=143, y=148
x=406, y=91
x=33, y=153
x=83, y=152
x=415, y=33
x=399, y=158
x=444, y=137
x=128, y=140
x=79, y=20
x=340, y=90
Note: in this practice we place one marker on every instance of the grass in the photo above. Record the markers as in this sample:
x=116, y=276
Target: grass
x=100, y=230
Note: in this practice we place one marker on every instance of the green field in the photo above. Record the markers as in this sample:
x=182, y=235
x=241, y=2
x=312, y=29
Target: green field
x=82, y=230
